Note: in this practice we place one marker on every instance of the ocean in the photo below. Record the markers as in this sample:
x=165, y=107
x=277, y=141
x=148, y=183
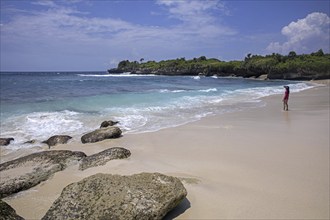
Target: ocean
x=38, y=105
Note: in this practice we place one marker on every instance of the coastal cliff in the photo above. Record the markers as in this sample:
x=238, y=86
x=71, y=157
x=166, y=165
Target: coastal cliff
x=291, y=67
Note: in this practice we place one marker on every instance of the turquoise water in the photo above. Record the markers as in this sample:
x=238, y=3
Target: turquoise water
x=39, y=105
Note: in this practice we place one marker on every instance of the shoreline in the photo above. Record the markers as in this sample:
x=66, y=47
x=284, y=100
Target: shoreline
x=17, y=148
x=34, y=125
x=259, y=163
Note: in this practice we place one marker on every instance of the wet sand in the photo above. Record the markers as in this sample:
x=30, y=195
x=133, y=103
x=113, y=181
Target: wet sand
x=261, y=163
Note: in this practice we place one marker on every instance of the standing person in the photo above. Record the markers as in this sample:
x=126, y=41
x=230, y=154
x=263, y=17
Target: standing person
x=286, y=98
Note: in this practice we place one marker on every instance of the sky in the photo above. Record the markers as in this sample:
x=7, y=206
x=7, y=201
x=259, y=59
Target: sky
x=95, y=35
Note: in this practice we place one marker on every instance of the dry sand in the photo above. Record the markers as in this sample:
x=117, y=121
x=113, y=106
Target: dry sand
x=262, y=163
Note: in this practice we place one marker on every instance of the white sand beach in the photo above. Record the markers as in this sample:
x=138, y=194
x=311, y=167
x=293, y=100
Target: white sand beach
x=261, y=163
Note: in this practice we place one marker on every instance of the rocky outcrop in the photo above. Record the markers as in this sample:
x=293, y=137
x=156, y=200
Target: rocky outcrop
x=7, y=212
x=26, y=172
x=299, y=75
x=115, y=71
x=108, y=123
x=57, y=139
x=101, y=134
x=289, y=67
x=5, y=141
x=103, y=157
x=106, y=196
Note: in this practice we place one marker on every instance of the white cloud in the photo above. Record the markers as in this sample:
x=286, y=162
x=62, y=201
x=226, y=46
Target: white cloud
x=199, y=21
x=63, y=29
x=47, y=3
x=195, y=16
x=190, y=11
x=305, y=35
x=194, y=12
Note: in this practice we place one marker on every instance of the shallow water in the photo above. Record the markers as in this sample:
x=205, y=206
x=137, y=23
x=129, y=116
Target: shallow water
x=39, y=105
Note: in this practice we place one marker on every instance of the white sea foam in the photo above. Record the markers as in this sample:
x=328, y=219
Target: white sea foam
x=196, y=77
x=126, y=74
x=182, y=90
x=208, y=90
x=173, y=91
x=188, y=108
x=131, y=123
x=259, y=92
x=95, y=75
x=41, y=126
x=300, y=87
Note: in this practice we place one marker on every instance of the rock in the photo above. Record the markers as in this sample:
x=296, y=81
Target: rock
x=31, y=142
x=5, y=141
x=7, y=212
x=26, y=172
x=101, y=134
x=108, y=123
x=263, y=77
x=57, y=139
x=115, y=71
x=299, y=74
x=106, y=196
x=103, y=157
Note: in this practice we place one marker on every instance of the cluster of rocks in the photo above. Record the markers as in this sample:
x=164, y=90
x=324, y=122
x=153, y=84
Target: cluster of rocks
x=107, y=130
x=101, y=196
x=28, y=171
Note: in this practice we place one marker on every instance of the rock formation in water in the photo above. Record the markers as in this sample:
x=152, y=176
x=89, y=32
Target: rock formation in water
x=101, y=134
x=5, y=141
x=57, y=139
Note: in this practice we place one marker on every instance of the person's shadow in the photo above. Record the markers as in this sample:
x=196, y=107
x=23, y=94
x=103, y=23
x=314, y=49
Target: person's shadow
x=178, y=210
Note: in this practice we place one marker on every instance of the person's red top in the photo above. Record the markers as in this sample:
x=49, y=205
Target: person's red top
x=286, y=94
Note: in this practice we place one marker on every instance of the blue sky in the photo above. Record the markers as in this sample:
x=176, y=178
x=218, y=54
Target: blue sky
x=86, y=35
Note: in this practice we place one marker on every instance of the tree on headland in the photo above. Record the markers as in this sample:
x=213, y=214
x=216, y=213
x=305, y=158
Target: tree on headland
x=318, y=53
x=123, y=64
x=202, y=58
x=248, y=57
x=292, y=54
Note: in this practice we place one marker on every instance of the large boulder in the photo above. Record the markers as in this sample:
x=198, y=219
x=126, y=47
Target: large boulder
x=5, y=141
x=7, y=212
x=26, y=172
x=103, y=157
x=57, y=139
x=106, y=196
x=101, y=134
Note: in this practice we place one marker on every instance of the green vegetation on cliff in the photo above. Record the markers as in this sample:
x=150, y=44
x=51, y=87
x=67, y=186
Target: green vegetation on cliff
x=276, y=66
